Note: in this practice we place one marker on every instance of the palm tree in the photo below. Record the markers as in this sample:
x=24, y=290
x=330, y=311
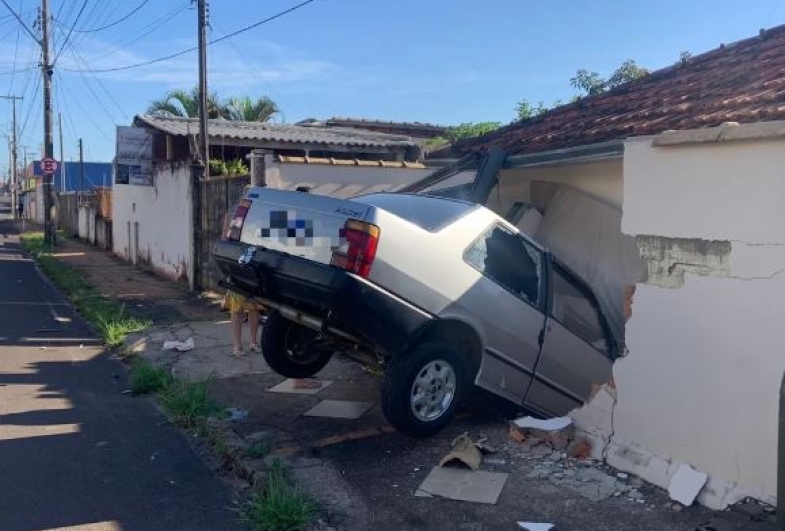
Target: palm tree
x=185, y=105
x=247, y=110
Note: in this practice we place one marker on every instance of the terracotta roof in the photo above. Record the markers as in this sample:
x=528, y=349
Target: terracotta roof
x=350, y=162
x=741, y=82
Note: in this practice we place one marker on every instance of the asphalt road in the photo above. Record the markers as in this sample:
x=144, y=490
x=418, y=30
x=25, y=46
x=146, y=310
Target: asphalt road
x=76, y=453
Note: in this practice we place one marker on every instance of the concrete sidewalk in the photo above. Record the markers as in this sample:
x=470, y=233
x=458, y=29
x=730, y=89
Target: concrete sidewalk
x=144, y=294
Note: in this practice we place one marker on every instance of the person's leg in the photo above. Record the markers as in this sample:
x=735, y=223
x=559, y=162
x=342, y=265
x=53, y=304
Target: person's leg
x=237, y=331
x=253, y=324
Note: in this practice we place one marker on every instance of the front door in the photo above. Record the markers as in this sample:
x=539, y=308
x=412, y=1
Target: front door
x=576, y=353
x=511, y=317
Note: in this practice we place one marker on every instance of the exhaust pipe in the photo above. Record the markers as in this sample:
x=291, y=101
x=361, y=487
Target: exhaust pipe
x=298, y=316
x=308, y=320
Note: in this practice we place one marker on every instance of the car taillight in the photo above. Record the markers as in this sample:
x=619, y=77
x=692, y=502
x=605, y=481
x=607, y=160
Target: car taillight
x=238, y=219
x=359, y=250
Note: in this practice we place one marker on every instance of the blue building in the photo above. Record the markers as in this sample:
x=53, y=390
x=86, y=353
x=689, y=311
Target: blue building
x=95, y=174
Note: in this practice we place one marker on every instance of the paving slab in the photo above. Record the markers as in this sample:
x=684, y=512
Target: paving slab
x=463, y=485
x=339, y=409
x=289, y=386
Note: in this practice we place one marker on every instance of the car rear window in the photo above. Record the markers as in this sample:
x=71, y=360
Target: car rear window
x=427, y=212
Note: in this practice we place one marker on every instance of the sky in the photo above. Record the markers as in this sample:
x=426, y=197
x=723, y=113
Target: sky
x=437, y=61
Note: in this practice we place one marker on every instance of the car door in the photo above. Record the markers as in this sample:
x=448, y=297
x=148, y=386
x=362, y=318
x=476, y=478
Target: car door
x=577, y=347
x=507, y=303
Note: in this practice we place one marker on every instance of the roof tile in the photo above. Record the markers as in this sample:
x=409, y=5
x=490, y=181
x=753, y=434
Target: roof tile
x=741, y=82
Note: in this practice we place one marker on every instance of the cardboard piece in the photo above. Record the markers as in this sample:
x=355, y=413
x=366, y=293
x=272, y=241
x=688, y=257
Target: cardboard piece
x=339, y=409
x=463, y=485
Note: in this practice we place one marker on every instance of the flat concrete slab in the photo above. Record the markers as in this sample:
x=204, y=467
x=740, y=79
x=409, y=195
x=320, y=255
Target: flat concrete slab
x=477, y=486
x=290, y=386
x=339, y=409
x=212, y=354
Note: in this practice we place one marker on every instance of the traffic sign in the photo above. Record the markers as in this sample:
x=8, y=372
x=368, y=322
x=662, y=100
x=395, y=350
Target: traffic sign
x=48, y=166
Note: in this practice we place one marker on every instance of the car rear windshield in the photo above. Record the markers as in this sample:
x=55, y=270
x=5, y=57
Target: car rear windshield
x=427, y=212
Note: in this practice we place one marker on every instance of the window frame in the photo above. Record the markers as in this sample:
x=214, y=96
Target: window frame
x=540, y=304
x=556, y=266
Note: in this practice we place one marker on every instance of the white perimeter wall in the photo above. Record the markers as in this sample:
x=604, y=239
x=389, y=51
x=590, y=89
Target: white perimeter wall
x=701, y=382
x=162, y=216
x=341, y=181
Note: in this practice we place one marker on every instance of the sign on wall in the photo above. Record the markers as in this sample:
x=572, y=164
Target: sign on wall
x=134, y=156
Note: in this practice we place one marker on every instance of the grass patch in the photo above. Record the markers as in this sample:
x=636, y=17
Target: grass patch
x=281, y=505
x=258, y=450
x=107, y=316
x=148, y=379
x=188, y=403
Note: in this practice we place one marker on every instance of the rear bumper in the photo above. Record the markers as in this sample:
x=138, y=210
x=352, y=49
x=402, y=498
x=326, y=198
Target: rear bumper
x=343, y=300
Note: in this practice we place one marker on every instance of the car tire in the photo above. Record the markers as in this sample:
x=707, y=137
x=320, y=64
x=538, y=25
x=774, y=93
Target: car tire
x=423, y=388
x=280, y=339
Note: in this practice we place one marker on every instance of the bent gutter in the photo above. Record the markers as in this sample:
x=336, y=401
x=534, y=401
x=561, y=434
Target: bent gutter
x=591, y=152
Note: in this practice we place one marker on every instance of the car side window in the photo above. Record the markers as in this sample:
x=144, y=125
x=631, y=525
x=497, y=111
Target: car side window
x=574, y=307
x=509, y=260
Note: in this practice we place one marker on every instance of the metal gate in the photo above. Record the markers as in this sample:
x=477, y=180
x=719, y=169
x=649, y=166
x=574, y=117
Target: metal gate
x=218, y=196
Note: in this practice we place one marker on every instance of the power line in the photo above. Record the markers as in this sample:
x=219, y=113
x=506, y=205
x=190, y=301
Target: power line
x=116, y=22
x=30, y=108
x=19, y=19
x=86, y=114
x=79, y=59
x=253, y=67
x=146, y=30
x=16, y=54
x=183, y=52
x=62, y=46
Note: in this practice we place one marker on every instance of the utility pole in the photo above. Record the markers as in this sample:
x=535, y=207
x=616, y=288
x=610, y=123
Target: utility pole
x=81, y=167
x=14, y=177
x=62, y=161
x=203, y=171
x=46, y=67
x=203, y=133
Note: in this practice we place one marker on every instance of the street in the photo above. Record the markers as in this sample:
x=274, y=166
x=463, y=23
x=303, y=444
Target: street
x=77, y=452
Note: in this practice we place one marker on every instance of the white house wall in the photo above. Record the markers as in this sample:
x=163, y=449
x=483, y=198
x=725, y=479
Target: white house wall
x=153, y=225
x=700, y=384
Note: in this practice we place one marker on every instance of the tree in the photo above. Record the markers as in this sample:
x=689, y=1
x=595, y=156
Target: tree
x=592, y=83
x=185, y=105
x=247, y=110
x=470, y=130
x=525, y=110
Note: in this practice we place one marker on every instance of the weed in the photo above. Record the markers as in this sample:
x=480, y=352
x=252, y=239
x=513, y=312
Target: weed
x=258, y=450
x=280, y=506
x=108, y=317
x=148, y=379
x=189, y=403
